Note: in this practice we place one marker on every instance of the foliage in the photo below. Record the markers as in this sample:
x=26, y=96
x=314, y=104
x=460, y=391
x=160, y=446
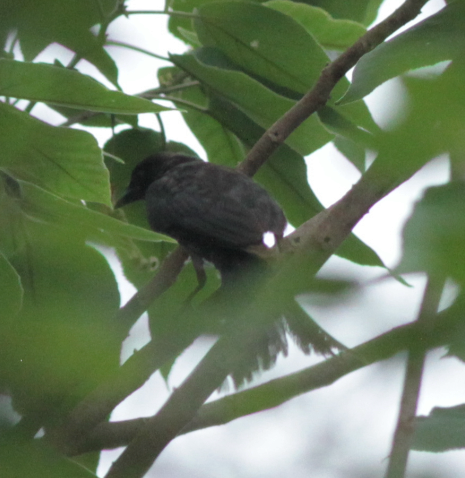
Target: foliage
x=246, y=65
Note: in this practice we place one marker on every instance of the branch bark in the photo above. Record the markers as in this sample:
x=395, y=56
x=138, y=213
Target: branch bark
x=278, y=391
x=403, y=435
x=320, y=93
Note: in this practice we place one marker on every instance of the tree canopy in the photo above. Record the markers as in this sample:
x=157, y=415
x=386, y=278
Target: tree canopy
x=261, y=85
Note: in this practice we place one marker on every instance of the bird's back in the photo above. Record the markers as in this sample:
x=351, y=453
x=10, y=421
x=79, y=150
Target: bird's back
x=204, y=205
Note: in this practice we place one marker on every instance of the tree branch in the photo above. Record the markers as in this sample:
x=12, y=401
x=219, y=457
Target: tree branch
x=320, y=93
x=405, y=428
x=141, y=300
x=278, y=391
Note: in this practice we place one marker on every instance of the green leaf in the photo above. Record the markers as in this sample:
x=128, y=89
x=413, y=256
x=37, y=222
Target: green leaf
x=434, y=124
x=443, y=429
x=60, y=86
x=362, y=11
x=94, y=119
x=281, y=54
x=336, y=122
x=50, y=209
x=330, y=33
x=261, y=104
x=40, y=24
x=34, y=459
x=190, y=36
x=434, y=234
x=64, y=339
x=438, y=38
x=353, y=151
x=217, y=138
x=181, y=26
x=280, y=50
x=11, y=292
x=351, y=140
x=65, y=161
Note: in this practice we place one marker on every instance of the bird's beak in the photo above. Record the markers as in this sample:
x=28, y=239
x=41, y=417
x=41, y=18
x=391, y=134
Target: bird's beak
x=129, y=196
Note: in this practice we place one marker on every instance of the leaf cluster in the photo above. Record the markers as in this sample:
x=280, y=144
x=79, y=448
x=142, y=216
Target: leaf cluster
x=251, y=71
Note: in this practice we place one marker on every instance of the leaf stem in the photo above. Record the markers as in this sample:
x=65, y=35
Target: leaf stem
x=136, y=48
x=161, y=12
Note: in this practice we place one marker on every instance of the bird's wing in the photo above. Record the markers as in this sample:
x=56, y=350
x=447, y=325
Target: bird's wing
x=183, y=207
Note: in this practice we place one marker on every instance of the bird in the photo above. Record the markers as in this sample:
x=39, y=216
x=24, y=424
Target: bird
x=216, y=213
x=220, y=215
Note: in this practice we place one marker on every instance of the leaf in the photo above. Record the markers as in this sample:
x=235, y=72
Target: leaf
x=434, y=234
x=336, y=122
x=219, y=140
x=94, y=119
x=65, y=161
x=47, y=208
x=64, y=339
x=11, y=292
x=362, y=11
x=60, y=86
x=259, y=103
x=438, y=38
x=433, y=124
x=189, y=35
x=330, y=33
x=353, y=151
x=280, y=50
x=443, y=429
x=34, y=459
x=40, y=24
x=181, y=26
x=281, y=54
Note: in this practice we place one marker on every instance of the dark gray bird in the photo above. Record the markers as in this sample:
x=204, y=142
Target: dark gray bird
x=217, y=214
x=214, y=212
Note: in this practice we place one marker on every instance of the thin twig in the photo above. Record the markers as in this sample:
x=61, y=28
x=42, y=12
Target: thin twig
x=136, y=48
x=161, y=12
x=405, y=428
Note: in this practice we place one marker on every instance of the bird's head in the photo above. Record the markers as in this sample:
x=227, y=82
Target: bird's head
x=148, y=171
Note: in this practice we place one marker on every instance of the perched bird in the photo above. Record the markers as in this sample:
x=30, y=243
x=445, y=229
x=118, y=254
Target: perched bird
x=218, y=214
x=214, y=212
